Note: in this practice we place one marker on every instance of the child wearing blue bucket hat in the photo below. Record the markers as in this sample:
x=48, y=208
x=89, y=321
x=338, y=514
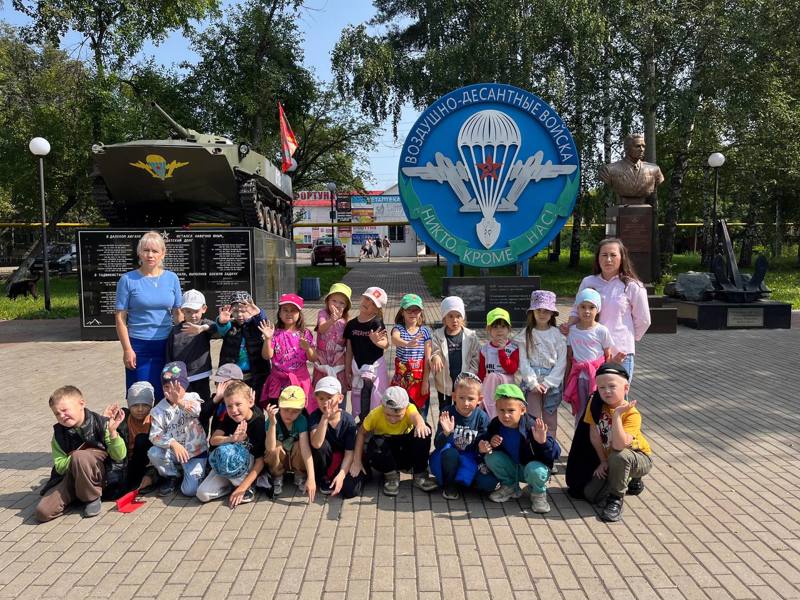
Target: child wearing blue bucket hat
x=588, y=347
x=238, y=441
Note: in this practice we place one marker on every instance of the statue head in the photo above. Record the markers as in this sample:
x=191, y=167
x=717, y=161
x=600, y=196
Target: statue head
x=634, y=147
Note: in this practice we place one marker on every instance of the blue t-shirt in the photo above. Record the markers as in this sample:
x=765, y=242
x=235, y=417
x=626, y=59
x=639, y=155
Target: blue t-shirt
x=466, y=430
x=149, y=302
x=512, y=439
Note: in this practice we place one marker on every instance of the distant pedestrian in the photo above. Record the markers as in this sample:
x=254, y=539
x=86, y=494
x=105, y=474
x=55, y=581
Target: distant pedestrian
x=387, y=248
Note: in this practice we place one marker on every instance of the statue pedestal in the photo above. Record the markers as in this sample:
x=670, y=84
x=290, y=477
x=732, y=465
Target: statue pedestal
x=633, y=224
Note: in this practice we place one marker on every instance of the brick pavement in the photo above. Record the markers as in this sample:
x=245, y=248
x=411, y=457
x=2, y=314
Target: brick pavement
x=720, y=517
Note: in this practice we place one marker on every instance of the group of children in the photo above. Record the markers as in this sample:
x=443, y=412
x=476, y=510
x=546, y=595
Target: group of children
x=269, y=415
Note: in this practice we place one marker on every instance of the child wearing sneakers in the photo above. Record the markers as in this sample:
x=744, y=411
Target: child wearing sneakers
x=518, y=448
x=179, y=442
x=333, y=440
x=615, y=431
x=400, y=439
x=84, y=445
x=238, y=441
x=456, y=461
x=287, y=446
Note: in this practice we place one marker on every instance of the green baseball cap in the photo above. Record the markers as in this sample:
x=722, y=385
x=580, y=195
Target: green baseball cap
x=410, y=300
x=509, y=390
x=496, y=314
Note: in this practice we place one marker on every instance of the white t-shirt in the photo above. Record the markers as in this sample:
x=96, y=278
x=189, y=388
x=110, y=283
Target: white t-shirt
x=589, y=344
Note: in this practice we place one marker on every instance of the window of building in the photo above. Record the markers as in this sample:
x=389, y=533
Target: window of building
x=397, y=233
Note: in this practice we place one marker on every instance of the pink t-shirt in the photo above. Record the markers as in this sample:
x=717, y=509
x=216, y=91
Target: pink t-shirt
x=331, y=346
x=288, y=355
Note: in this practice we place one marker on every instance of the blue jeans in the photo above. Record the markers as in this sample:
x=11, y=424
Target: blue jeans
x=167, y=466
x=628, y=364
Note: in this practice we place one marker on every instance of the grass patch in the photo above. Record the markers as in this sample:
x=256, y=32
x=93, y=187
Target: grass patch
x=783, y=277
x=63, y=301
x=328, y=275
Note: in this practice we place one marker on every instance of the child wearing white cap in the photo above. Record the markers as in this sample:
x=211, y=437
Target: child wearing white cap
x=588, y=346
x=333, y=440
x=190, y=342
x=367, y=340
x=455, y=349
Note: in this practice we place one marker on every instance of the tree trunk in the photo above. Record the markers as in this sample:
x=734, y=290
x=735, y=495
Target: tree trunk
x=24, y=269
x=778, y=246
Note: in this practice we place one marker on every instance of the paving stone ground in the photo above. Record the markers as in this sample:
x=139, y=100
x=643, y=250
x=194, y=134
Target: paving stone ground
x=720, y=517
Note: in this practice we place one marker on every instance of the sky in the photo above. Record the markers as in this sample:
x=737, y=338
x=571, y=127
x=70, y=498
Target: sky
x=321, y=23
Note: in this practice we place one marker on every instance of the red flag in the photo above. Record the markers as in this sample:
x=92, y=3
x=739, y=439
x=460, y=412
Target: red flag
x=288, y=142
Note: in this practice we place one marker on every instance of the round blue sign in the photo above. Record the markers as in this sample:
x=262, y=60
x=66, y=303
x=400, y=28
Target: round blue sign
x=489, y=175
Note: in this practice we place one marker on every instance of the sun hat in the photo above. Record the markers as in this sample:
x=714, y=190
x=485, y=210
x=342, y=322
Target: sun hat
x=193, y=300
x=227, y=372
x=612, y=368
x=509, y=390
x=453, y=303
x=543, y=299
x=329, y=385
x=340, y=288
x=395, y=398
x=410, y=300
x=377, y=295
x=589, y=295
x=496, y=314
x=141, y=392
x=292, y=396
x=291, y=299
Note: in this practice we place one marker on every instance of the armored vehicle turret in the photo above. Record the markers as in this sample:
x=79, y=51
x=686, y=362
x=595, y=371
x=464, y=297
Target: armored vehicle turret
x=192, y=178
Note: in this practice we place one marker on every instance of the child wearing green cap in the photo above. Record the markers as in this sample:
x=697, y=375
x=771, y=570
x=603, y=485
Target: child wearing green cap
x=412, y=342
x=517, y=448
x=499, y=357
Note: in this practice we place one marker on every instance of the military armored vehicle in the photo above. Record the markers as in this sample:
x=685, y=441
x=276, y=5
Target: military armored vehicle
x=193, y=178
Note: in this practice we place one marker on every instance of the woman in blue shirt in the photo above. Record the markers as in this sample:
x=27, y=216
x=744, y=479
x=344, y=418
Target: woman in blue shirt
x=147, y=301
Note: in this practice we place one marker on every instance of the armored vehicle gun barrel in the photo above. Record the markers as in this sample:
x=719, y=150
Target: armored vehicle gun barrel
x=180, y=129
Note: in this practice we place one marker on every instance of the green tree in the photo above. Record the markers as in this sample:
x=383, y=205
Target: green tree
x=114, y=30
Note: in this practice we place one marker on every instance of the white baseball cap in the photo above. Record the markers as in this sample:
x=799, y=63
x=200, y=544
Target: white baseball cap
x=329, y=385
x=377, y=295
x=192, y=299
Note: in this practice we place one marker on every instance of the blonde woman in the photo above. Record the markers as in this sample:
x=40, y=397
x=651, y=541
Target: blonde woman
x=148, y=299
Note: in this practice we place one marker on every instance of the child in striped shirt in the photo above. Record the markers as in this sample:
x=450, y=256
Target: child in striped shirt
x=412, y=342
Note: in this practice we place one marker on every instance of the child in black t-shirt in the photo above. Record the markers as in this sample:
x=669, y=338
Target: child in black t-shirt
x=190, y=342
x=238, y=442
x=367, y=340
x=333, y=439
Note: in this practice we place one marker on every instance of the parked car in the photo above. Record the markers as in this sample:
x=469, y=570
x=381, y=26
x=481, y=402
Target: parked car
x=60, y=258
x=323, y=251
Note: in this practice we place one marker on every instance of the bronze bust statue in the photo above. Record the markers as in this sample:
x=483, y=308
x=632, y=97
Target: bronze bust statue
x=632, y=179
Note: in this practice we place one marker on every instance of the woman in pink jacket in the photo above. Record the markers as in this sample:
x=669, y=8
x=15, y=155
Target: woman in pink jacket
x=626, y=313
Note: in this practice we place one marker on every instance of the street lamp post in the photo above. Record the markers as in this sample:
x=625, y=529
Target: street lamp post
x=715, y=161
x=332, y=189
x=41, y=147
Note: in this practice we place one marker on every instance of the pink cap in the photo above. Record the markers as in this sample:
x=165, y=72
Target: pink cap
x=291, y=299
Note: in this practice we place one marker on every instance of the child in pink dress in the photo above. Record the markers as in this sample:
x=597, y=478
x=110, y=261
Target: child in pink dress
x=331, y=345
x=289, y=346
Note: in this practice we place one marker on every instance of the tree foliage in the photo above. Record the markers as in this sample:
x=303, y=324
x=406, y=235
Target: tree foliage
x=695, y=77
